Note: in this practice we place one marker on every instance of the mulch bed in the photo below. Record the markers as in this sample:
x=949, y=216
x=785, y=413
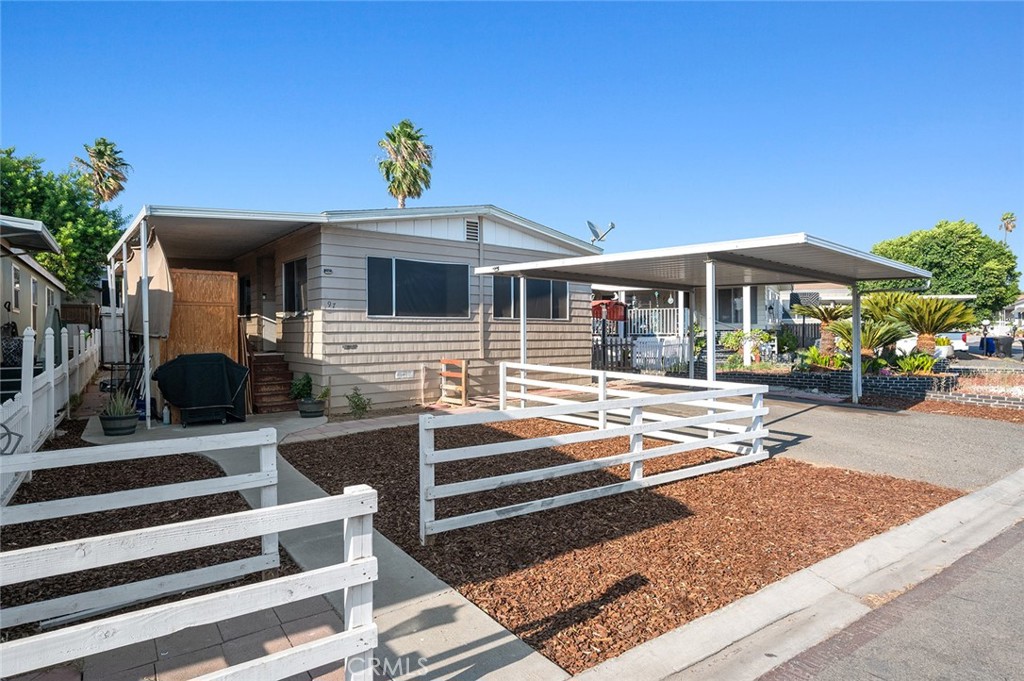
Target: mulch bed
x=110, y=477
x=947, y=408
x=585, y=583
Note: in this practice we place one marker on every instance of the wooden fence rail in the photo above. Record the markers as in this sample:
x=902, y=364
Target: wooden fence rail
x=699, y=418
x=87, y=604
x=355, y=575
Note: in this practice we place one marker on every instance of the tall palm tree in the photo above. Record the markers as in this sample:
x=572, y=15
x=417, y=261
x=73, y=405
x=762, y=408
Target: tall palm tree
x=107, y=169
x=1008, y=224
x=826, y=314
x=929, y=316
x=407, y=166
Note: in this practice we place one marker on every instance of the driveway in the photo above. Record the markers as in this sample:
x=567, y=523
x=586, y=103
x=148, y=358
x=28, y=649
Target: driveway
x=963, y=453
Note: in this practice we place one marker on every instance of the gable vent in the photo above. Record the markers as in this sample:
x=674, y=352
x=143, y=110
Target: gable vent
x=472, y=230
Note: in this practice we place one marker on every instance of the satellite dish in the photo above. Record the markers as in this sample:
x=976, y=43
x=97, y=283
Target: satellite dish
x=598, y=236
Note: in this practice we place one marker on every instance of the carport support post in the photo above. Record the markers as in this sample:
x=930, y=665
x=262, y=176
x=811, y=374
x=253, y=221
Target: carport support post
x=690, y=340
x=522, y=337
x=709, y=307
x=747, y=341
x=855, y=359
x=146, y=369
x=125, y=343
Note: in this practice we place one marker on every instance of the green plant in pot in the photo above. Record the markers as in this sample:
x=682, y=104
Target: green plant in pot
x=302, y=393
x=119, y=416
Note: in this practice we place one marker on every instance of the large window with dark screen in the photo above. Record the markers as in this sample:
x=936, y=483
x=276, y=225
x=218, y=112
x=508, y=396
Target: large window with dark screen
x=413, y=288
x=545, y=299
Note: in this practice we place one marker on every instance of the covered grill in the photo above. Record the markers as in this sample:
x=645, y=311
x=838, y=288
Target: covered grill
x=204, y=387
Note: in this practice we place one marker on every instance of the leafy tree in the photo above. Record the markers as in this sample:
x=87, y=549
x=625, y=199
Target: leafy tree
x=962, y=260
x=929, y=316
x=873, y=334
x=407, y=166
x=826, y=314
x=106, y=169
x=1007, y=223
x=66, y=204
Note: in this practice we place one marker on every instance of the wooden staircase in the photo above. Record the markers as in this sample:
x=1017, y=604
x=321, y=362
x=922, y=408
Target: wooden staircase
x=271, y=383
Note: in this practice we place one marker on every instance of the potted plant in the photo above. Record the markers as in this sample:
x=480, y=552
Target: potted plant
x=302, y=393
x=119, y=417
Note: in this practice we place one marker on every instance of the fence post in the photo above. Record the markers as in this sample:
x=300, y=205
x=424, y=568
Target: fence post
x=503, y=386
x=66, y=390
x=426, y=480
x=268, y=494
x=28, y=354
x=51, y=409
x=636, y=443
x=358, y=608
x=757, y=445
x=602, y=387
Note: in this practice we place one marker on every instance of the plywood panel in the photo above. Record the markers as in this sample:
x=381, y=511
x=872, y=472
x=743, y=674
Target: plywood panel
x=205, y=313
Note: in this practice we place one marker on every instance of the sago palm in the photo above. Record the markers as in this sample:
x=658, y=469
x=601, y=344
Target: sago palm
x=882, y=306
x=409, y=160
x=826, y=314
x=929, y=316
x=873, y=334
x=107, y=170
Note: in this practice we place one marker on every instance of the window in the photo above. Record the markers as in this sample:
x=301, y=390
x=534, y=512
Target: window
x=51, y=299
x=730, y=305
x=245, y=296
x=545, y=299
x=295, y=286
x=410, y=288
x=16, y=289
x=36, y=322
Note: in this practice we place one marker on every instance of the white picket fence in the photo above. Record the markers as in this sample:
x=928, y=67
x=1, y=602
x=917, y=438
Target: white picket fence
x=660, y=354
x=701, y=418
x=61, y=610
x=31, y=416
x=355, y=575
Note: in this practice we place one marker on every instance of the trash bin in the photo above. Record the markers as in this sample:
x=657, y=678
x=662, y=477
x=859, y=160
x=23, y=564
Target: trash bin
x=988, y=346
x=1004, y=346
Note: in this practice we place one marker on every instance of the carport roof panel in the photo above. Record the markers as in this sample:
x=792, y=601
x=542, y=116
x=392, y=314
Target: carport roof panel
x=785, y=259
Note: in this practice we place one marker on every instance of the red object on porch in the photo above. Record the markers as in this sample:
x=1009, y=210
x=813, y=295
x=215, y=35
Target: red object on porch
x=616, y=310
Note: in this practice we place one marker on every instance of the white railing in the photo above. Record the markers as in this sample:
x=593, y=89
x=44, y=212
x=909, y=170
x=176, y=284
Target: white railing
x=60, y=610
x=699, y=418
x=40, y=404
x=355, y=575
x=660, y=321
x=660, y=353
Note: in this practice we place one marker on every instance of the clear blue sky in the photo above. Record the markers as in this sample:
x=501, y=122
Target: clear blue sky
x=680, y=122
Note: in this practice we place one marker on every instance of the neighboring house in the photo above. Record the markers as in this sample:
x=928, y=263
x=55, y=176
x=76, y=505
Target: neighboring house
x=375, y=298
x=29, y=291
x=1014, y=312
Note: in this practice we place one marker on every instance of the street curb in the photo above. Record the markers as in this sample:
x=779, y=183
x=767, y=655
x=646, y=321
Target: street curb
x=757, y=633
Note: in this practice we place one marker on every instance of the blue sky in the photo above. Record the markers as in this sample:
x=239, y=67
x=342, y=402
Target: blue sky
x=681, y=122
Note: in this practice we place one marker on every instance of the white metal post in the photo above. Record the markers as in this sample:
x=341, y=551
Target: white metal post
x=855, y=378
x=522, y=338
x=426, y=480
x=747, y=340
x=691, y=341
x=503, y=386
x=66, y=391
x=755, y=425
x=51, y=407
x=146, y=369
x=602, y=390
x=28, y=354
x=636, y=443
x=125, y=344
x=709, y=300
x=358, y=608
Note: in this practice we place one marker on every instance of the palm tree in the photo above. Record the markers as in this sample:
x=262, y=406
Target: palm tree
x=826, y=314
x=407, y=167
x=1008, y=224
x=873, y=334
x=882, y=306
x=929, y=316
x=107, y=169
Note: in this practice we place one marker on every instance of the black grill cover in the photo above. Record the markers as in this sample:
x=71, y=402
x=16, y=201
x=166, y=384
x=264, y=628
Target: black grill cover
x=204, y=380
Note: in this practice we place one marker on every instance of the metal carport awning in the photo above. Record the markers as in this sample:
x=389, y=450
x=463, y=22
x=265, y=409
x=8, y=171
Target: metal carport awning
x=774, y=260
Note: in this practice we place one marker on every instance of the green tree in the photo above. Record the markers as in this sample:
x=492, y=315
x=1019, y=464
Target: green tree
x=962, y=260
x=1007, y=223
x=407, y=166
x=106, y=168
x=66, y=204
x=826, y=314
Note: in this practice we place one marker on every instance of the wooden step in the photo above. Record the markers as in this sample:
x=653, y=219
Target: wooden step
x=276, y=408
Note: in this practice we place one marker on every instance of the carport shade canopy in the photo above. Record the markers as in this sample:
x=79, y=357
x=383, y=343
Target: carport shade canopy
x=775, y=260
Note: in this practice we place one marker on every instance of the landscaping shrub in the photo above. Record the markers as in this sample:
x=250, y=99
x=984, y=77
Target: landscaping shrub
x=916, y=363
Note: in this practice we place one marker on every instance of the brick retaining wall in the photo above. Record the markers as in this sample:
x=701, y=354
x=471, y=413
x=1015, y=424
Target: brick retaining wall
x=839, y=382
x=1003, y=401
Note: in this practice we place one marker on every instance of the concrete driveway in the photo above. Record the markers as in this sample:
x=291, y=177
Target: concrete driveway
x=963, y=453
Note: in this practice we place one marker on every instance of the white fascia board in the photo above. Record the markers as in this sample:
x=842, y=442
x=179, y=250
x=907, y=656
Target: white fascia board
x=914, y=272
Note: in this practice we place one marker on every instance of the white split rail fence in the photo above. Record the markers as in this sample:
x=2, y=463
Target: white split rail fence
x=355, y=575
x=32, y=415
x=707, y=421
x=58, y=611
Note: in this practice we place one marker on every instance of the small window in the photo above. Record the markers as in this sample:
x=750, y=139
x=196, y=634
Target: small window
x=51, y=299
x=729, y=304
x=545, y=299
x=245, y=296
x=411, y=288
x=295, y=299
x=16, y=289
x=37, y=322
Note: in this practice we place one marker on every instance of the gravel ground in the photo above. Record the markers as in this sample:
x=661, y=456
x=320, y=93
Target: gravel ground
x=584, y=583
x=101, y=478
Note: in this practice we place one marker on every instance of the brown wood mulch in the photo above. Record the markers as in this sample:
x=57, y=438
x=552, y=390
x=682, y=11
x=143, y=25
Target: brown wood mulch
x=584, y=583
x=110, y=477
x=976, y=411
